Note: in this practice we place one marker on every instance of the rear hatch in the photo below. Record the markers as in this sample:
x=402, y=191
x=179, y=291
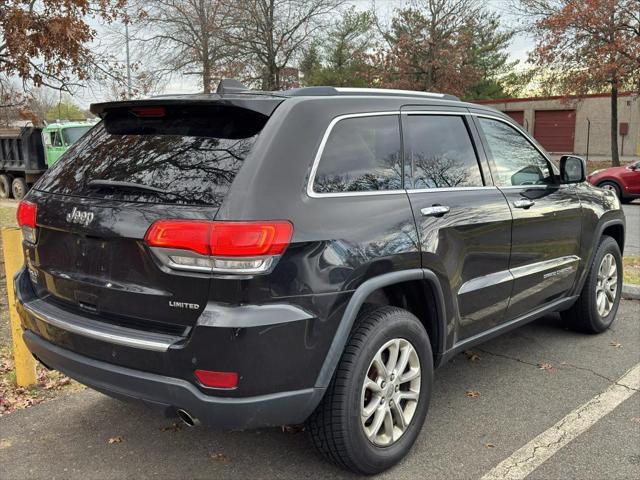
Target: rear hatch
x=145, y=161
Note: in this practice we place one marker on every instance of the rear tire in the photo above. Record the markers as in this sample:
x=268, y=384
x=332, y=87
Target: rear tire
x=368, y=379
x=595, y=309
x=5, y=186
x=611, y=186
x=19, y=188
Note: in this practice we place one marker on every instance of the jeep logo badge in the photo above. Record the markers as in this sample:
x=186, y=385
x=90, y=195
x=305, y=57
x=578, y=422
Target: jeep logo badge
x=80, y=217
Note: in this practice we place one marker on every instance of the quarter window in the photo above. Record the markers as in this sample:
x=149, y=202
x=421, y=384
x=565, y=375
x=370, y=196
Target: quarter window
x=361, y=154
x=516, y=161
x=440, y=152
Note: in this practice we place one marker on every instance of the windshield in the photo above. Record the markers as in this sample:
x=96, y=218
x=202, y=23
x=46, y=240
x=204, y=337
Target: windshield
x=185, y=157
x=72, y=134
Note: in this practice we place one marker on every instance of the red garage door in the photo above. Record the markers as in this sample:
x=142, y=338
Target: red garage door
x=518, y=116
x=555, y=129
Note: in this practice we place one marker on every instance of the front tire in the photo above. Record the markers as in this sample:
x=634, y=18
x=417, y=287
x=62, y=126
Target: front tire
x=377, y=401
x=596, y=308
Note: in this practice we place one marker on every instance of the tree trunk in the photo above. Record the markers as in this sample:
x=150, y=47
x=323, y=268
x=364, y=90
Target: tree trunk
x=615, y=158
x=206, y=77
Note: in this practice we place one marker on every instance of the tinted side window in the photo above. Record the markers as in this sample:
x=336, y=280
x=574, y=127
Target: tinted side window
x=440, y=152
x=517, y=162
x=361, y=154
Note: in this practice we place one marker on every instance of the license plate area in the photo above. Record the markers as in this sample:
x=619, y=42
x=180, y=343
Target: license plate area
x=92, y=256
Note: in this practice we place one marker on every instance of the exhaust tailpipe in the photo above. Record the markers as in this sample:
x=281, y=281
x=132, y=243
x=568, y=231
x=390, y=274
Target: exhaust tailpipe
x=186, y=418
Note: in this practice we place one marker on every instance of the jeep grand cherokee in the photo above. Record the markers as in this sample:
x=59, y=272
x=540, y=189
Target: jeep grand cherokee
x=244, y=259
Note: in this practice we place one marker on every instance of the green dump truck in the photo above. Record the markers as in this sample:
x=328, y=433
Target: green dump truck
x=27, y=152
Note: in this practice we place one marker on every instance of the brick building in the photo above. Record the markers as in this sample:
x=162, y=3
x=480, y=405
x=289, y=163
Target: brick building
x=577, y=125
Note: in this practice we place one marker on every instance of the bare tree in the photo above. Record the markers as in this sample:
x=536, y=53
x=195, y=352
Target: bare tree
x=188, y=37
x=268, y=34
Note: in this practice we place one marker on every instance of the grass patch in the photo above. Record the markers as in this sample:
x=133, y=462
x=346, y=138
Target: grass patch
x=631, y=269
x=8, y=217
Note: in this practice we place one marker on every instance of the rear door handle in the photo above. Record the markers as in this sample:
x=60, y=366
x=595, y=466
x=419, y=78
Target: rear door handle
x=524, y=203
x=435, y=211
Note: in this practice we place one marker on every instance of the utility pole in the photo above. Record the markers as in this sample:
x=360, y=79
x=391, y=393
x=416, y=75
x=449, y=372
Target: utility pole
x=126, y=37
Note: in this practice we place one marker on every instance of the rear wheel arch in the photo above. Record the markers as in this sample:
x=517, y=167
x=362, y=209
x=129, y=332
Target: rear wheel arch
x=418, y=297
x=401, y=289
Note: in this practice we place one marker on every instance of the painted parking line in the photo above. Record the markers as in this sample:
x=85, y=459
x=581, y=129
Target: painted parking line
x=548, y=443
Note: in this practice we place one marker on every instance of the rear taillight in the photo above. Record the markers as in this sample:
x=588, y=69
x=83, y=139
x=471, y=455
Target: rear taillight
x=180, y=234
x=223, y=247
x=250, y=239
x=27, y=220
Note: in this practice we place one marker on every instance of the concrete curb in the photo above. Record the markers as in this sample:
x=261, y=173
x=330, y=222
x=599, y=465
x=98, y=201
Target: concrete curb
x=630, y=291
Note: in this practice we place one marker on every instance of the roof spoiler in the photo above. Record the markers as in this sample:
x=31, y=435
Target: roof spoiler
x=264, y=105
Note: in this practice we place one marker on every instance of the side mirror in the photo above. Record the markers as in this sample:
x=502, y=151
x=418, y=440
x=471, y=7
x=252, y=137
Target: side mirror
x=572, y=169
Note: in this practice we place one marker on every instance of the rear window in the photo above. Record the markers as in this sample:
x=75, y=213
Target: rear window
x=188, y=155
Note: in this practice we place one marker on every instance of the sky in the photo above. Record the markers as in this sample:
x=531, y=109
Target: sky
x=518, y=50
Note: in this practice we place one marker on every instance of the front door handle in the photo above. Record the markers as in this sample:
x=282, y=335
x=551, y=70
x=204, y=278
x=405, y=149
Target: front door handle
x=524, y=203
x=435, y=211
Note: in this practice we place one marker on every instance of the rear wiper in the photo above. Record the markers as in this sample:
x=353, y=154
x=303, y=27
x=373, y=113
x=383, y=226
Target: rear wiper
x=125, y=186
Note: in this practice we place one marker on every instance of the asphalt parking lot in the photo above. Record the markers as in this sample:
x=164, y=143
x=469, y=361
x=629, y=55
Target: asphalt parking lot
x=464, y=437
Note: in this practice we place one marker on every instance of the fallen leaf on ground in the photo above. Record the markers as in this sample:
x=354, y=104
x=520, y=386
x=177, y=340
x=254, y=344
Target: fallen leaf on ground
x=490, y=445
x=4, y=443
x=220, y=457
x=472, y=356
x=117, y=439
x=546, y=366
x=174, y=427
x=13, y=397
x=472, y=393
x=292, y=428
x=615, y=344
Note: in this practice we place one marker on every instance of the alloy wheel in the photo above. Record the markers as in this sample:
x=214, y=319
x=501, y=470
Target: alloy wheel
x=390, y=392
x=607, y=285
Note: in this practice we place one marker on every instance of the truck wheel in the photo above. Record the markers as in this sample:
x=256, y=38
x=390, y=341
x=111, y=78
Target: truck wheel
x=19, y=188
x=378, y=398
x=596, y=308
x=5, y=186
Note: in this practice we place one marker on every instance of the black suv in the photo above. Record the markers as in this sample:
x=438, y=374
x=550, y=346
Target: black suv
x=244, y=259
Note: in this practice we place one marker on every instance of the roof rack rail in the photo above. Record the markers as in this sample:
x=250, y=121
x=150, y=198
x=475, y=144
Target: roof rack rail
x=328, y=91
x=230, y=86
x=391, y=91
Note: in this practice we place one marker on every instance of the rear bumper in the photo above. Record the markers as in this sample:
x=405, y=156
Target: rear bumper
x=158, y=369
x=172, y=393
